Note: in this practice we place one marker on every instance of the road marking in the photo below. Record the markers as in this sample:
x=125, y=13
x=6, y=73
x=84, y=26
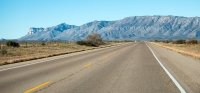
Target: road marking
x=22, y=66
x=170, y=75
x=42, y=61
x=105, y=57
x=37, y=87
x=87, y=65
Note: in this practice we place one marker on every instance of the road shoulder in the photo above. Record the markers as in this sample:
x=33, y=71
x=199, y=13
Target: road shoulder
x=185, y=69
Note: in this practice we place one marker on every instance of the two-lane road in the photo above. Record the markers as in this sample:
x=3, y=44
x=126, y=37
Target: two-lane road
x=128, y=68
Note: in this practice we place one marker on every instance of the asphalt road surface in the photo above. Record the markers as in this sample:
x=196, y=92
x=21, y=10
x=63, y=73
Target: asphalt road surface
x=128, y=68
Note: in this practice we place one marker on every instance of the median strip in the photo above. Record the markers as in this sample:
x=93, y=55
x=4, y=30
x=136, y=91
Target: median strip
x=37, y=87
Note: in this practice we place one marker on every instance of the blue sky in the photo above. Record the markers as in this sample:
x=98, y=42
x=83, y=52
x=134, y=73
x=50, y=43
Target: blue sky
x=17, y=16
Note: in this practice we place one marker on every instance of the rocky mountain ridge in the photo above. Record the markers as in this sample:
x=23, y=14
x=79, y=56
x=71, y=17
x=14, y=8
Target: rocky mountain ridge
x=135, y=27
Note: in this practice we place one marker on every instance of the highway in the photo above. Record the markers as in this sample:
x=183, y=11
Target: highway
x=136, y=67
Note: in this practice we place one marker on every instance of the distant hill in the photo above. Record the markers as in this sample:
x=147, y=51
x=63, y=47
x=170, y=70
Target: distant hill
x=46, y=33
x=2, y=39
x=136, y=27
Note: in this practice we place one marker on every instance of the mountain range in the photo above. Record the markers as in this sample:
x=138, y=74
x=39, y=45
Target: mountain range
x=135, y=27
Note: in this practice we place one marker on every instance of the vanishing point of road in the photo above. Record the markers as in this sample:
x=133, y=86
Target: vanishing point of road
x=138, y=67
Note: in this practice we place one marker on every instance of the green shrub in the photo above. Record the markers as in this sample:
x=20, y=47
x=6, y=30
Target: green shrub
x=43, y=44
x=166, y=41
x=12, y=43
x=91, y=40
x=179, y=41
x=192, y=41
x=156, y=41
x=82, y=42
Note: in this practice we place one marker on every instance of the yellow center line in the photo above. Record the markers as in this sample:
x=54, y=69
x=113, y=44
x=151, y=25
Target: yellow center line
x=105, y=57
x=87, y=65
x=37, y=87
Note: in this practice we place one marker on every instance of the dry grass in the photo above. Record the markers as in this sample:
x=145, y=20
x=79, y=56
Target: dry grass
x=192, y=50
x=35, y=50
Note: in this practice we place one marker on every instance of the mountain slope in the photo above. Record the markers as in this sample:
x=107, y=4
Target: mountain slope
x=136, y=27
x=46, y=33
x=79, y=33
x=154, y=27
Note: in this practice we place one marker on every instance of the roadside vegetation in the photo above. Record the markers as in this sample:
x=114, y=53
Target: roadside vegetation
x=91, y=40
x=189, y=47
x=19, y=51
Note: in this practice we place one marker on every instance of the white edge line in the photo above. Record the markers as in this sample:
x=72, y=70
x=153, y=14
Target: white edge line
x=22, y=66
x=42, y=61
x=47, y=60
x=173, y=79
